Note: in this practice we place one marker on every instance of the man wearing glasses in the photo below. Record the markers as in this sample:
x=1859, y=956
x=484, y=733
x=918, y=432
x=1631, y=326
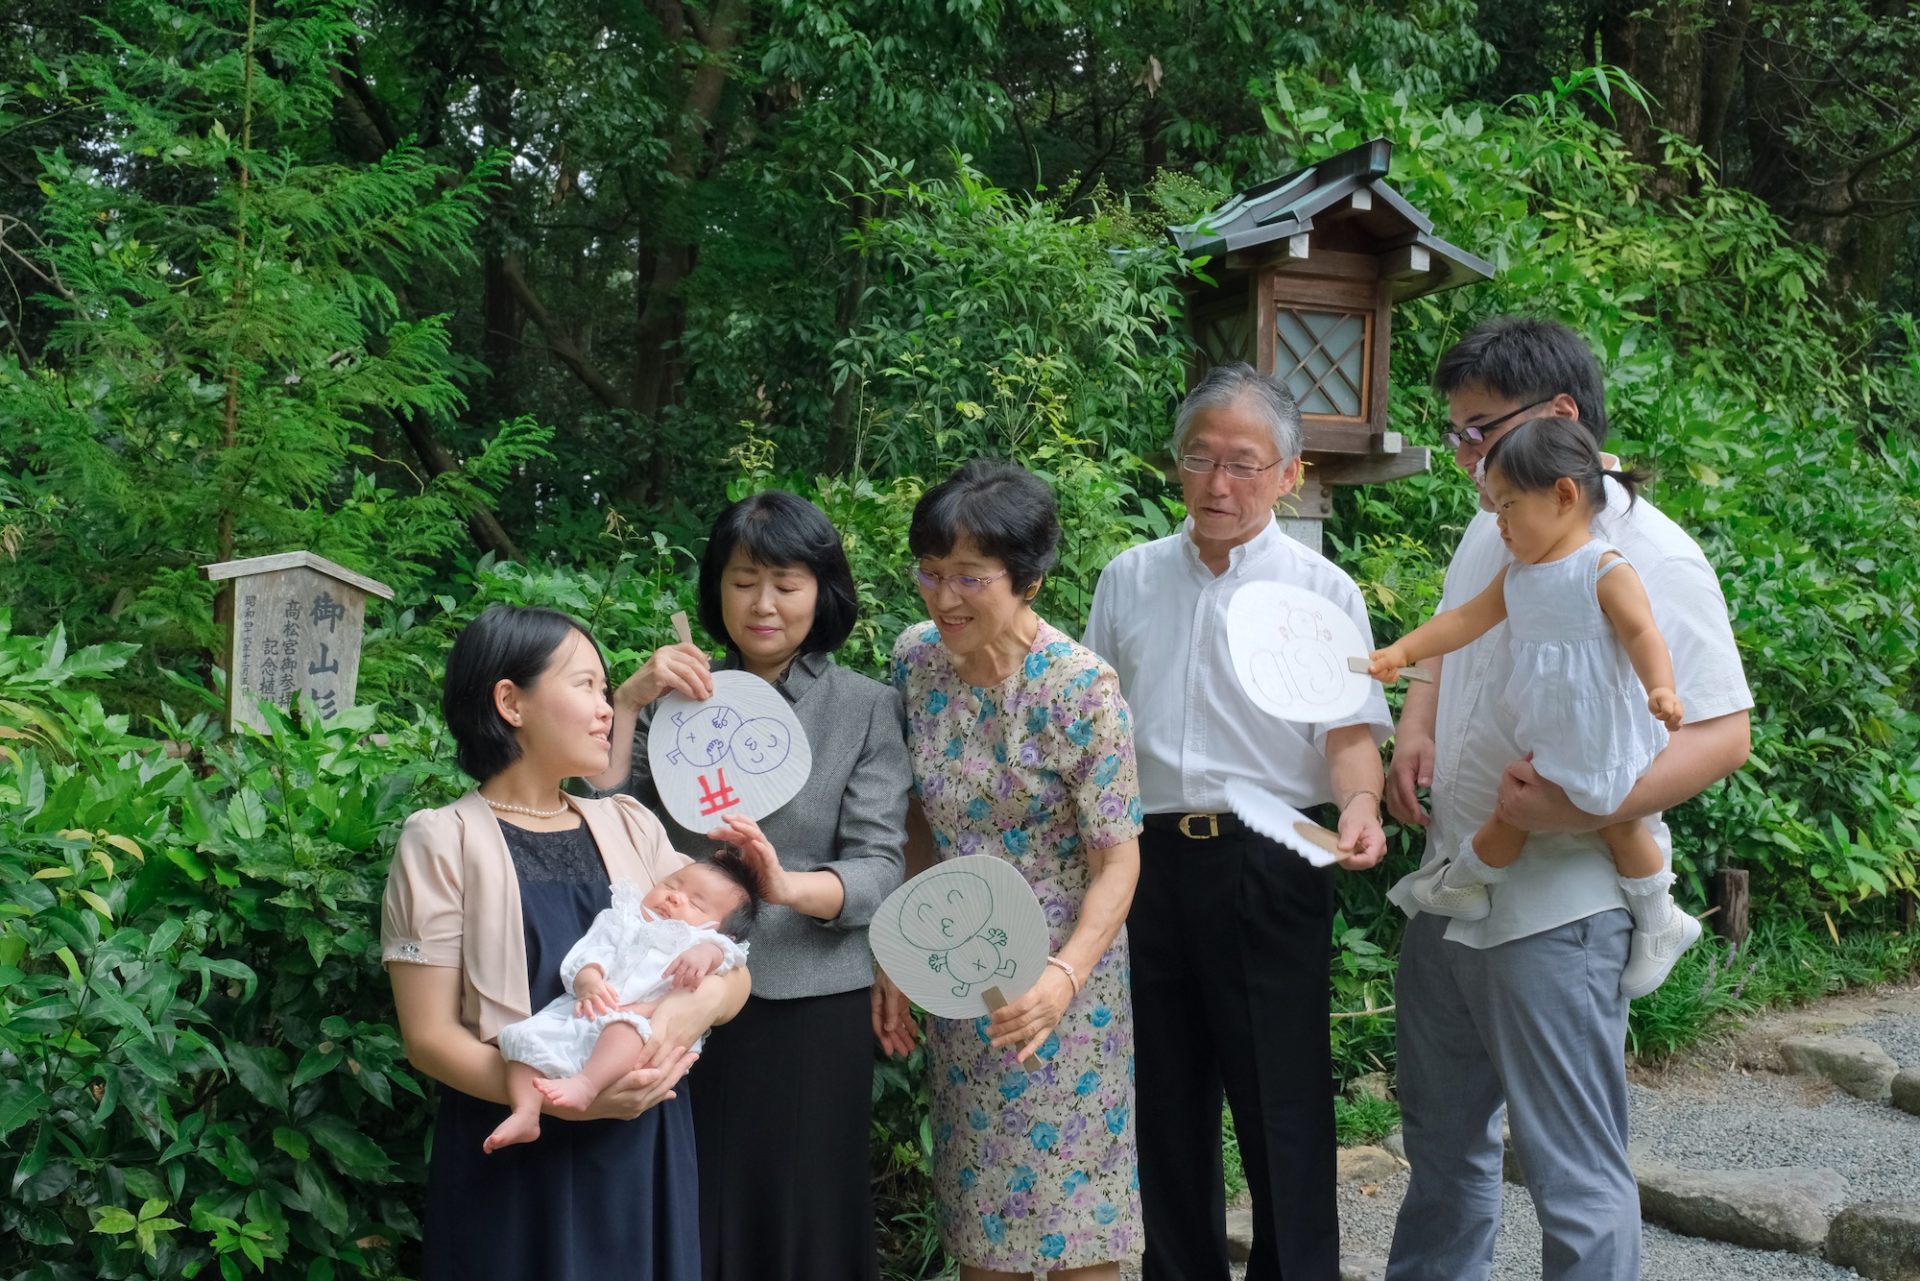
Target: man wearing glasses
x=1230, y=931
x=1523, y=1008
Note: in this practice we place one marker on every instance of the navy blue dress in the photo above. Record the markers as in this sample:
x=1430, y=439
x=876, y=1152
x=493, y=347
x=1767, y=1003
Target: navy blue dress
x=588, y=1200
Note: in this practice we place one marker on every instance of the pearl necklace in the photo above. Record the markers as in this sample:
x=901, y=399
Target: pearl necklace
x=528, y=810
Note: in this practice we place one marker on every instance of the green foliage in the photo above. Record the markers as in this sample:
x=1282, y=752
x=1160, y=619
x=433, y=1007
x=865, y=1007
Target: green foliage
x=193, y=1018
x=1364, y=1119
x=1783, y=962
x=225, y=327
x=995, y=323
x=243, y=243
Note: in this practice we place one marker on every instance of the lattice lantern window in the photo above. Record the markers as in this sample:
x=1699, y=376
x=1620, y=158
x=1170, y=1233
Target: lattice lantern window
x=1323, y=356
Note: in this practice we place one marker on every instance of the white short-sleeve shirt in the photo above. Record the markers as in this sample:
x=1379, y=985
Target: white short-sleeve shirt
x=1159, y=618
x=1563, y=876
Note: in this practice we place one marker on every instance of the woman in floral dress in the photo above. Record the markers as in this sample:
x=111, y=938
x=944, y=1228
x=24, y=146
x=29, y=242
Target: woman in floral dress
x=1022, y=748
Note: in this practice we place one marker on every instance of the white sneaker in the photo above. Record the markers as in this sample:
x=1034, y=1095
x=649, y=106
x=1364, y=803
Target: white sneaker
x=1432, y=893
x=1651, y=953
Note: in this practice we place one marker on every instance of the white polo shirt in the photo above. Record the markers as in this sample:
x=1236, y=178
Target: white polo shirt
x=1563, y=876
x=1160, y=618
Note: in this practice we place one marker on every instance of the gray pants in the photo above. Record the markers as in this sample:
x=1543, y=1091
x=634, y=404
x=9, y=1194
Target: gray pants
x=1538, y=1025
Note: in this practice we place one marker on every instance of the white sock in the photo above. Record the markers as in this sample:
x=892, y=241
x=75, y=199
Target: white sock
x=1467, y=869
x=1648, y=900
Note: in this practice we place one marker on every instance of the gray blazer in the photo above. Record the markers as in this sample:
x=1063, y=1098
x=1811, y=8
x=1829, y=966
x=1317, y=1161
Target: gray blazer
x=850, y=819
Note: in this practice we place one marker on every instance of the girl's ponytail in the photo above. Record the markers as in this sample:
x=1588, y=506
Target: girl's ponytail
x=1631, y=479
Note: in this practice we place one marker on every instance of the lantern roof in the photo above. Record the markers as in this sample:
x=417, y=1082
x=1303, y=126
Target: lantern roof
x=1321, y=197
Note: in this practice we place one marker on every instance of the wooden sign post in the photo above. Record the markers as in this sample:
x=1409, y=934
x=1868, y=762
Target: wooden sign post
x=294, y=628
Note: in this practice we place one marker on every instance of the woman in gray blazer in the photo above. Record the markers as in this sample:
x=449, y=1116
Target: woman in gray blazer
x=782, y=1102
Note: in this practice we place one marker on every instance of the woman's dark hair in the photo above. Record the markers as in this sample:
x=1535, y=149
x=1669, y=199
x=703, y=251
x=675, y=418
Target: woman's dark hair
x=1528, y=360
x=1537, y=453
x=1005, y=509
x=782, y=531
x=731, y=864
x=506, y=643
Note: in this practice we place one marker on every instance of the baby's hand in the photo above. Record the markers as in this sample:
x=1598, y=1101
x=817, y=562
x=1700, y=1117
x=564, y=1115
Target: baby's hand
x=1384, y=664
x=1665, y=705
x=593, y=995
x=687, y=969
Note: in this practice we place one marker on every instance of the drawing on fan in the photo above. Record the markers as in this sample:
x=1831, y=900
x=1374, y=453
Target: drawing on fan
x=710, y=733
x=1290, y=649
x=1300, y=665
x=741, y=751
x=946, y=915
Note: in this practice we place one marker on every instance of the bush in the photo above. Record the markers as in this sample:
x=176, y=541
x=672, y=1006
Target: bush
x=194, y=1021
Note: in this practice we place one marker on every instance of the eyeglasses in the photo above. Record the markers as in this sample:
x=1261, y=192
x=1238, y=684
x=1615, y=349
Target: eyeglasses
x=964, y=584
x=1201, y=465
x=1477, y=435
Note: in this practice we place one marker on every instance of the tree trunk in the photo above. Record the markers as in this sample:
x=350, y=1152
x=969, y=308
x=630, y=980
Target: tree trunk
x=1660, y=46
x=486, y=528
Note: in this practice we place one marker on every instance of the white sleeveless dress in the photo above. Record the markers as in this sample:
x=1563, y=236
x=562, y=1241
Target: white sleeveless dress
x=1578, y=704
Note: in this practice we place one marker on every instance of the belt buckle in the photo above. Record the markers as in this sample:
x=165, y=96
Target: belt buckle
x=1213, y=827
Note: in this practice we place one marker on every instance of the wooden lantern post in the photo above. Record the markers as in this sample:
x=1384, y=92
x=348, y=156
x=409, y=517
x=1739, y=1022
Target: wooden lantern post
x=1305, y=271
x=294, y=628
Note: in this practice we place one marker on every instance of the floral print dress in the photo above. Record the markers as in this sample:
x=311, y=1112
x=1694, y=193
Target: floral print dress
x=1032, y=1171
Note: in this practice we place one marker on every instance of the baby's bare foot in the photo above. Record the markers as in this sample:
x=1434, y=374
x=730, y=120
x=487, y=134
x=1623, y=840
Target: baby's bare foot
x=567, y=1092
x=515, y=1129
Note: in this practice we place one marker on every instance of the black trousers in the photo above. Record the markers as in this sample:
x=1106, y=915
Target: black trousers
x=1231, y=940
x=782, y=1107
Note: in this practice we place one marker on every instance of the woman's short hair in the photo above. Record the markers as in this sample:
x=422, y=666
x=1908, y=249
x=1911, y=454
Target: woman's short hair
x=506, y=643
x=1005, y=509
x=783, y=531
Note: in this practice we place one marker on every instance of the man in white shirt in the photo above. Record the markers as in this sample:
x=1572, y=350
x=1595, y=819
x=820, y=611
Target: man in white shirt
x=1523, y=1009
x=1230, y=931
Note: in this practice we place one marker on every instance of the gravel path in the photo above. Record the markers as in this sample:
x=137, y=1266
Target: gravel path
x=1727, y=1106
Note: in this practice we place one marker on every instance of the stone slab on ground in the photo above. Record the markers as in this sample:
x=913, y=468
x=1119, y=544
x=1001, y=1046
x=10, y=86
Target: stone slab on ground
x=1366, y=1165
x=1878, y=1239
x=1859, y=1066
x=1786, y=1208
x=1363, y=1267
x=1904, y=1093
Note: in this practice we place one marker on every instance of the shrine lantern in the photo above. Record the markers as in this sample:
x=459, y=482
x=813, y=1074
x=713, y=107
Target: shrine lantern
x=1304, y=273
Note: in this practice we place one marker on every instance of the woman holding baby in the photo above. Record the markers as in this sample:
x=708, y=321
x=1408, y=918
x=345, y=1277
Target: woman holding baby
x=485, y=899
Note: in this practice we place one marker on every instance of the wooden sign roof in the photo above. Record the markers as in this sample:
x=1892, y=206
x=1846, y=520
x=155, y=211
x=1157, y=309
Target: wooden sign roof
x=295, y=560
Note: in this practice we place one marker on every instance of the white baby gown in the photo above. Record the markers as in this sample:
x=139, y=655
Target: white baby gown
x=633, y=947
x=1578, y=704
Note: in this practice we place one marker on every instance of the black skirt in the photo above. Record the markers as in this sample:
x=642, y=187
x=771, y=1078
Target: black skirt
x=588, y=1200
x=782, y=1107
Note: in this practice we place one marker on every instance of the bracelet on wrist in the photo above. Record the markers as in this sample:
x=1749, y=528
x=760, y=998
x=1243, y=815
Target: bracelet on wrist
x=1365, y=791
x=1073, y=979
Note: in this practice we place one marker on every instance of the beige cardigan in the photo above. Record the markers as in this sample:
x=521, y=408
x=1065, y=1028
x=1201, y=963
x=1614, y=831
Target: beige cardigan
x=453, y=898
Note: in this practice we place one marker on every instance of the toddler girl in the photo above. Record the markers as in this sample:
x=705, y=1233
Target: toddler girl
x=1584, y=644
x=692, y=924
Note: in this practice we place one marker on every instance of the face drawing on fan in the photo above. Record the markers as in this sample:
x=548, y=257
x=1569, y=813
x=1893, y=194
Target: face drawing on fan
x=709, y=735
x=947, y=916
x=1301, y=664
x=760, y=744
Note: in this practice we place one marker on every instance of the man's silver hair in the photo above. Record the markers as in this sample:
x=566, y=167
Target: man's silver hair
x=1241, y=383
